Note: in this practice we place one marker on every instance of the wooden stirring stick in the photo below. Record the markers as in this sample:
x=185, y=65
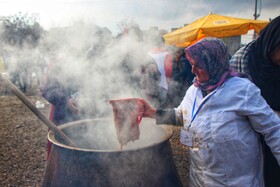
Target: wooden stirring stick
x=57, y=132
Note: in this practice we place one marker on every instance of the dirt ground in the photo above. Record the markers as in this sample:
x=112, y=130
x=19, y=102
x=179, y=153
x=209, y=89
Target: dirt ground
x=23, y=143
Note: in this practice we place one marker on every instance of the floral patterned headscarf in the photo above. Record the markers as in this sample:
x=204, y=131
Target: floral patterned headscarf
x=211, y=54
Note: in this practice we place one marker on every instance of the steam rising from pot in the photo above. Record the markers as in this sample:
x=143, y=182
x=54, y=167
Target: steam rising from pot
x=89, y=59
x=99, y=135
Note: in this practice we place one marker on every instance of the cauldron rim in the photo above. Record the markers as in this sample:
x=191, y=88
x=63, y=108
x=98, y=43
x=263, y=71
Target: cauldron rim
x=166, y=128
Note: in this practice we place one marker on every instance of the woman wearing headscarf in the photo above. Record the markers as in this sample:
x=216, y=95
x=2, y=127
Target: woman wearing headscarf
x=222, y=115
x=261, y=60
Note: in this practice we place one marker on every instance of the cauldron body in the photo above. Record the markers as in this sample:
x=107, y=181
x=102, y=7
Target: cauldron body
x=99, y=161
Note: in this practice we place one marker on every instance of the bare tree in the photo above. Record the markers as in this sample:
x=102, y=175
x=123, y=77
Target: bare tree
x=20, y=30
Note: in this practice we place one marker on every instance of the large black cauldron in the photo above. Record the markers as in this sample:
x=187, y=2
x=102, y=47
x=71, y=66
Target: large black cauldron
x=147, y=162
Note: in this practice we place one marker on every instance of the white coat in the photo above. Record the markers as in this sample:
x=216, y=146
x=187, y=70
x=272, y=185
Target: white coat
x=228, y=127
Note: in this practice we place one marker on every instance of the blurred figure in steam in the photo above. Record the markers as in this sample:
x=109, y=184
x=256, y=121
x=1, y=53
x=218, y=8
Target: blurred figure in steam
x=261, y=59
x=130, y=66
x=163, y=60
x=223, y=114
x=18, y=73
x=60, y=88
x=150, y=83
x=61, y=92
x=181, y=78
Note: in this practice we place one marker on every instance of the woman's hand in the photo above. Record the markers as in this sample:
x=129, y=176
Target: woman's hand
x=148, y=110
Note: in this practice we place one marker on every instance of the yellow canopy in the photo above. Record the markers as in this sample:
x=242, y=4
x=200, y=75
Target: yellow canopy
x=212, y=25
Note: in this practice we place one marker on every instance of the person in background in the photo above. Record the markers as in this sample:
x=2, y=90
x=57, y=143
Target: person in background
x=223, y=115
x=163, y=59
x=61, y=92
x=150, y=83
x=181, y=78
x=261, y=60
x=17, y=73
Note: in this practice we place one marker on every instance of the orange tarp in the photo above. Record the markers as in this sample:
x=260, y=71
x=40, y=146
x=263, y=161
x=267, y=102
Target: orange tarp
x=212, y=25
